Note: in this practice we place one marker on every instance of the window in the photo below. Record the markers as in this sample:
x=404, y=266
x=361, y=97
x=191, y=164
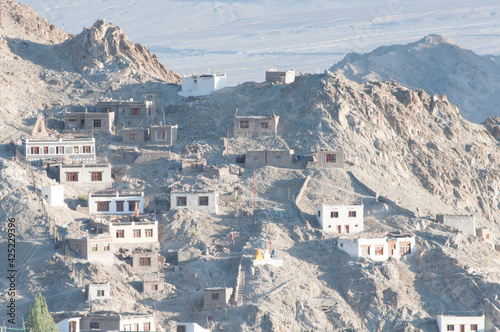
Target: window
x=352, y=214
x=94, y=325
x=119, y=206
x=450, y=327
x=334, y=214
x=215, y=296
x=330, y=158
x=276, y=158
x=102, y=206
x=105, y=109
x=107, y=247
x=132, y=205
x=255, y=157
x=96, y=176
x=264, y=125
x=347, y=228
x=181, y=201
x=35, y=150
x=160, y=135
x=59, y=149
x=487, y=236
x=319, y=213
x=45, y=150
x=136, y=327
x=244, y=124
x=86, y=149
x=120, y=233
x=135, y=111
x=154, y=287
x=127, y=327
x=194, y=166
x=133, y=137
x=149, y=111
x=203, y=201
x=75, y=149
x=379, y=250
x=181, y=328
x=95, y=247
x=137, y=233
x=72, y=177
x=473, y=327
x=97, y=123
x=405, y=249
x=147, y=327
x=149, y=232
x=78, y=248
x=339, y=229
x=145, y=261
x=365, y=250
x=100, y=292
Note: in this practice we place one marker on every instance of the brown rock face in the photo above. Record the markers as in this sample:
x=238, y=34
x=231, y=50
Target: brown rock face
x=22, y=22
x=104, y=46
x=493, y=126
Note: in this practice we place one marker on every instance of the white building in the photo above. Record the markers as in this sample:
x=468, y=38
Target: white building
x=115, y=203
x=378, y=247
x=69, y=325
x=462, y=323
x=100, y=291
x=206, y=201
x=138, y=232
x=73, y=148
x=190, y=327
x=280, y=76
x=340, y=218
x=54, y=195
x=111, y=321
x=203, y=84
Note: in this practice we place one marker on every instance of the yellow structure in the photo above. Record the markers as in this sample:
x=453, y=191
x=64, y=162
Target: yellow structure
x=258, y=254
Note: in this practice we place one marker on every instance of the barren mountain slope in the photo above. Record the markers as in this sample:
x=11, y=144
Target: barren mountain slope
x=437, y=65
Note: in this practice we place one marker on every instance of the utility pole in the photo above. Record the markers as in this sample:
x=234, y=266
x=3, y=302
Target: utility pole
x=270, y=242
x=227, y=149
x=254, y=188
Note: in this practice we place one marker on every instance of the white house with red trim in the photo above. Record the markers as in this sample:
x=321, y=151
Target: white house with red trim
x=340, y=218
x=378, y=247
x=115, y=203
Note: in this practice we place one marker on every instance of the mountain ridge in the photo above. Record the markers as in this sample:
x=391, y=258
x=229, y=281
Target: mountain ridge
x=435, y=64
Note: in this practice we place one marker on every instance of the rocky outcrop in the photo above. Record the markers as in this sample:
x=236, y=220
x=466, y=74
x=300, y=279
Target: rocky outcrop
x=104, y=47
x=22, y=22
x=493, y=126
x=408, y=133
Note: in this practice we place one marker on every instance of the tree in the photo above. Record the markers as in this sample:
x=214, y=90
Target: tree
x=39, y=318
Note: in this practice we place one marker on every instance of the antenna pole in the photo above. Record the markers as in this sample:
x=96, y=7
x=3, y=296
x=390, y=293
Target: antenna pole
x=270, y=243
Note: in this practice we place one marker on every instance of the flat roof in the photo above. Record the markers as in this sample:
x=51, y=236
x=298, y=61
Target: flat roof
x=114, y=194
x=56, y=140
x=382, y=235
x=256, y=117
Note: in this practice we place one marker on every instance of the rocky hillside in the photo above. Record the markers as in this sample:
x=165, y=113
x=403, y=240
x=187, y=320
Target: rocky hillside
x=42, y=69
x=411, y=147
x=403, y=139
x=437, y=65
x=105, y=48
